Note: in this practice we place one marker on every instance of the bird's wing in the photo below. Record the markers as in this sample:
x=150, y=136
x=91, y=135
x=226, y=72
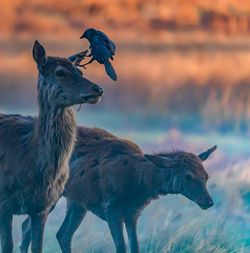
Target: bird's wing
x=112, y=47
x=108, y=42
x=102, y=34
x=99, y=51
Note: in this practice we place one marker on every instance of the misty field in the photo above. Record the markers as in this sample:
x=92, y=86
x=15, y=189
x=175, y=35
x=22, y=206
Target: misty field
x=174, y=100
x=184, y=101
x=183, y=83
x=174, y=224
x=197, y=86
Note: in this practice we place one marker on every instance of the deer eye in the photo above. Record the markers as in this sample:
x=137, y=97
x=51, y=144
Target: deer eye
x=189, y=177
x=60, y=73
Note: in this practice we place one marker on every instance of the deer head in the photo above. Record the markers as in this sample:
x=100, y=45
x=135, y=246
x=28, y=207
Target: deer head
x=65, y=85
x=184, y=173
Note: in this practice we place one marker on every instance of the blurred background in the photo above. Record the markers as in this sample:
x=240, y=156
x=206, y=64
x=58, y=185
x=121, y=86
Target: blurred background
x=183, y=83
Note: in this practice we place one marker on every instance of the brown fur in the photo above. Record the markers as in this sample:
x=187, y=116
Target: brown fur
x=34, y=152
x=109, y=163
x=112, y=178
x=104, y=166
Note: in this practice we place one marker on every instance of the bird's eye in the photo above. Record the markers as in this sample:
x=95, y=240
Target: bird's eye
x=60, y=73
x=189, y=177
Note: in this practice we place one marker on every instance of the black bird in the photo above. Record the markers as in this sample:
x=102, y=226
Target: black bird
x=102, y=50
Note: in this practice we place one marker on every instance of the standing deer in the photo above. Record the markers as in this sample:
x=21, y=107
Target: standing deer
x=112, y=178
x=34, y=152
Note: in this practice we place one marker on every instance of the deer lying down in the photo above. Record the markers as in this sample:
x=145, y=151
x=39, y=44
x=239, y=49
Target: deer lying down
x=112, y=178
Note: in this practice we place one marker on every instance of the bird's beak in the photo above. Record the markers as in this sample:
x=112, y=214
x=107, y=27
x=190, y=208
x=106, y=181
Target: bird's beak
x=82, y=36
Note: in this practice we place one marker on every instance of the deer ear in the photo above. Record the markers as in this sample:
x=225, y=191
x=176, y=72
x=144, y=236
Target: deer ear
x=158, y=161
x=39, y=53
x=203, y=156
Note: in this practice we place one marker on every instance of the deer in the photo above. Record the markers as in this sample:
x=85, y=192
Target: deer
x=112, y=178
x=35, y=151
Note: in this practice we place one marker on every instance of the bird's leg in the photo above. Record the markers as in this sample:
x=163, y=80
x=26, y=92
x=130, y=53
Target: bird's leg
x=83, y=65
x=77, y=58
x=89, y=55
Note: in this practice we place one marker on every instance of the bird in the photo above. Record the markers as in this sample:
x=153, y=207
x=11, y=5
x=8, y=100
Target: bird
x=102, y=50
x=77, y=58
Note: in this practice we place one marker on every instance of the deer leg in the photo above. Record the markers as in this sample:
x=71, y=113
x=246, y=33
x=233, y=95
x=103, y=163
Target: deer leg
x=6, y=232
x=73, y=219
x=37, y=231
x=131, y=225
x=26, y=236
x=116, y=228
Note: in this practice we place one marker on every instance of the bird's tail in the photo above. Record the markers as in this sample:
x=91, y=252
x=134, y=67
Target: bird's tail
x=110, y=70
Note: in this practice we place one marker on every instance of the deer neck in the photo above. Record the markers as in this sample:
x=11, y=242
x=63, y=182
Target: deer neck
x=158, y=181
x=55, y=134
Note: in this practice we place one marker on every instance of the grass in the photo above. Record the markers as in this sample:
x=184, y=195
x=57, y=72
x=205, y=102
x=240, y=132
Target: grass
x=172, y=225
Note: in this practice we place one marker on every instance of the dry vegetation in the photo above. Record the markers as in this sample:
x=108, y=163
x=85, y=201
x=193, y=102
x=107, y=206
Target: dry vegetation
x=49, y=16
x=175, y=58
x=214, y=87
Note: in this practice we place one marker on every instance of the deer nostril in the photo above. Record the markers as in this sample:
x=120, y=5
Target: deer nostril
x=101, y=90
x=98, y=90
x=209, y=202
